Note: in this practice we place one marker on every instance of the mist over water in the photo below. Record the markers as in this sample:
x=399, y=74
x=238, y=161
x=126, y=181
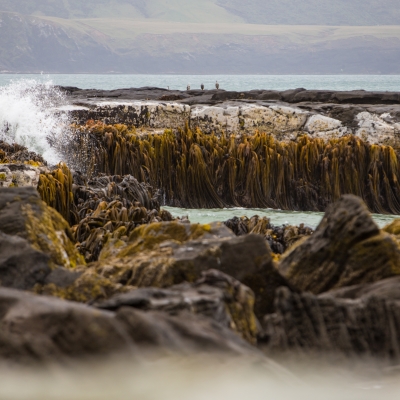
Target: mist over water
x=28, y=116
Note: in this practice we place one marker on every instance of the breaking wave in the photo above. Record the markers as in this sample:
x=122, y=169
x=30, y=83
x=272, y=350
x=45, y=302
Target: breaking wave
x=29, y=116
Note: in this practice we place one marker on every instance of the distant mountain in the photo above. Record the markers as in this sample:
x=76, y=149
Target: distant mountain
x=200, y=36
x=271, y=12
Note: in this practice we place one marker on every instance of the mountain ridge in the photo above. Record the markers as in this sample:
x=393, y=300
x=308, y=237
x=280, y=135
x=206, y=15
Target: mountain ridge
x=270, y=12
x=151, y=41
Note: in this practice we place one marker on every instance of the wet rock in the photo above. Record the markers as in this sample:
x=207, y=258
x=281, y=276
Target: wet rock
x=347, y=248
x=44, y=329
x=24, y=215
x=326, y=326
x=216, y=296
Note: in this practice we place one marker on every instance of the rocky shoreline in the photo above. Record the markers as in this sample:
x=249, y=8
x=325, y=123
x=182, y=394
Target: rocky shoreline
x=372, y=116
x=92, y=266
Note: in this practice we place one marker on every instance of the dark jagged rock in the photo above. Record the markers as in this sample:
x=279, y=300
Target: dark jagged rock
x=279, y=238
x=290, y=96
x=215, y=295
x=347, y=248
x=307, y=324
x=44, y=329
x=388, y=289
x=21, y=266
x=24, y=215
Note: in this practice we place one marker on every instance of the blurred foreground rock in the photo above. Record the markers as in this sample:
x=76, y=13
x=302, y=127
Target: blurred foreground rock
x=44, y=329
x=216, y=295
x=357, y=321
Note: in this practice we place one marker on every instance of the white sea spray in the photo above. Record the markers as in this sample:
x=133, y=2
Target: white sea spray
x=29, y=116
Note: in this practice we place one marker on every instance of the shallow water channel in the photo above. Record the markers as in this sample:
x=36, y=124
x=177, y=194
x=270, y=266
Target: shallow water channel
x=277, y=217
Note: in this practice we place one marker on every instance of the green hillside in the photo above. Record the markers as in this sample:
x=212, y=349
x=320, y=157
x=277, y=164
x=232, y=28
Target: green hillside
x=271, y=12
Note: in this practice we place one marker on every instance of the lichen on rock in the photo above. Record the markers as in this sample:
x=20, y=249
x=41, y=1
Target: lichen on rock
x=347, y=248
x=24, y=214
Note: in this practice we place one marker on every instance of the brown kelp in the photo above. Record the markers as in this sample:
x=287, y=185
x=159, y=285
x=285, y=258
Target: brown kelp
x=105, y=207
x=111, y=207
x=279, y=238
x=203, y=171
x=55, y=189
x=15, y=153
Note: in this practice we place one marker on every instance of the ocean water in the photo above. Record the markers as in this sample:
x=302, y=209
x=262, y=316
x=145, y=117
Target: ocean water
x=227, y=82
x=277, y=217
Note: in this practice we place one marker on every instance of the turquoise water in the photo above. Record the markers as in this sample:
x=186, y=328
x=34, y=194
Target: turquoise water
x=277, y=217
x=227, y=82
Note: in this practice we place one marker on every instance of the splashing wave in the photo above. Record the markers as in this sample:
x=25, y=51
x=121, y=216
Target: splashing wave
x=29, y=116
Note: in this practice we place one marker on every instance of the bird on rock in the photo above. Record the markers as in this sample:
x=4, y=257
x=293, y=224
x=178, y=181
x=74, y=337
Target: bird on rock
x=188, y=87
x=216, y=85
x=202, y=87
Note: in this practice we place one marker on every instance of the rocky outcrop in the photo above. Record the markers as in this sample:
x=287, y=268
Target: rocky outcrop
x=347, y=248
x=169, y=253
x=155, y=115
x=27, y=220
x=216, y=296
x=303, y=323
x=20, y=175
x=373, y=116
x=43, y=329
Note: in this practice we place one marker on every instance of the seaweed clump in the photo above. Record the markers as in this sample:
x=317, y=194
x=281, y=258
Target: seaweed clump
x=103, y=208
x=15, y=153
x=279, y=238
x=196, y=170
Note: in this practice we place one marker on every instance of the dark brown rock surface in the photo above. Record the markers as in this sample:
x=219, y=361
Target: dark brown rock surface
x=34, y=239
x=215, y=295
x=347, y=248
x=307, y=324
x=45, y=329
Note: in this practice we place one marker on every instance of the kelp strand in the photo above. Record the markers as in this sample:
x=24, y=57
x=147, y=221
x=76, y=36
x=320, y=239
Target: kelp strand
x=203, y=171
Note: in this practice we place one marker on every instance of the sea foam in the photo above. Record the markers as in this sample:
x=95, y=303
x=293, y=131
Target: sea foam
x=29, y=116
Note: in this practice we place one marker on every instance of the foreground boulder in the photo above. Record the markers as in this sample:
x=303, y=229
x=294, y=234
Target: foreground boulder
x=169, y=253
x=215, y=295
x=34, y=239
x=44, y=329
x=307, y=324
x=347, y=248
